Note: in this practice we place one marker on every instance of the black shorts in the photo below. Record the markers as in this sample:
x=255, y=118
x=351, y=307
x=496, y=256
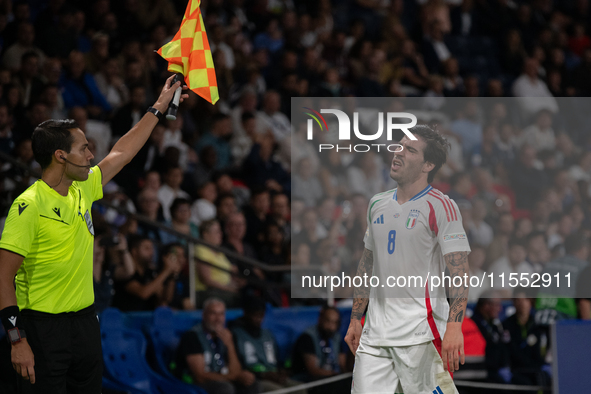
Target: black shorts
x=67, y=351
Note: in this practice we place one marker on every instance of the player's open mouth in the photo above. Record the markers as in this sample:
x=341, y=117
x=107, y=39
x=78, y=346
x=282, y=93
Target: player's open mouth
x=396, y=164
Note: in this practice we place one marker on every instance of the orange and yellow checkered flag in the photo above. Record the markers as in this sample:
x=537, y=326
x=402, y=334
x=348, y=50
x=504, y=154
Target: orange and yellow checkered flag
x=189, y=54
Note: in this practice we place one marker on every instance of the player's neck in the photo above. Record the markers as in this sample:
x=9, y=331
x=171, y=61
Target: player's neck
x=407, y=191
x=56, y=179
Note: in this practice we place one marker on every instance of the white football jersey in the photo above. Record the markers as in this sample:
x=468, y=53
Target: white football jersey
x=408, y=243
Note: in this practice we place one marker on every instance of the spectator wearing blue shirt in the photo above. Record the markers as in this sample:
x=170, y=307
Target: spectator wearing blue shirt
x=467, y=128
x=79, y=87
x=218, y=138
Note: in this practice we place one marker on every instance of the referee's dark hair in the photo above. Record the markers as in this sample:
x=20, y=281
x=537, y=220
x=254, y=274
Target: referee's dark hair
x=436, y=150
x=50, y=136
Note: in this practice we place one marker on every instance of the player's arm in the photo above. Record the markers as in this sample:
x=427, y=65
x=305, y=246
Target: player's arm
x=21, y=355
x=129, y=145
x=360, y=301
x=452, y=348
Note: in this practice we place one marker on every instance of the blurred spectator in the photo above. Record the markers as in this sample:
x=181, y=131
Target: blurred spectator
x=57, y=39
x=365, y=175
x=460, y=186
x=500, y=244
x=178, y=295
x=557, y=302
x=527, y=180
x=150, y=207
x=206, y=355
x=476, y=260
x=434, y=48
x=529, y=85
x=128, y=115
x=274, y=251
x=478, y=230
x=25, y=38
x=146, y=288
x=110, y=82
x=204, y=208
x=538, y=253
x=225, y=205
x=218, y=137
x=319, y=352
x=225, y=184
x=235, y=230
x=171, y=189
x=540, y=135
x=263, y=169
x=513, y=263
x=52, y=98
x=280, y=214
x=306, y=184
x=216, y=277
x=28, y=78
x=256, y=215
x=257, y=348
x=180, y=213
x=6, y=136
x=97, y=130
x=79, y=87
x=467, y=128
x=528, y=343
x=497, y=357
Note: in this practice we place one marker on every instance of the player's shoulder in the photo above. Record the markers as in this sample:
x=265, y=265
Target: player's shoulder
x=382, y=196
x=32, y=195
x=442, y=204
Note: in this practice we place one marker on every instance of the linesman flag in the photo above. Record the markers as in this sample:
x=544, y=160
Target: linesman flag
x=189, y=54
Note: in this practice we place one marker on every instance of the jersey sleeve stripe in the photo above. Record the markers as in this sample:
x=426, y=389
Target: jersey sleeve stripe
x=432, y=219
x=431, y=193
x=449, y=205
x=454, y=208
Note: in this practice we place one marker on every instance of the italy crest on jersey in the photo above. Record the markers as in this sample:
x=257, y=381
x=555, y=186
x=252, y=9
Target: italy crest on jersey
x=412, y=219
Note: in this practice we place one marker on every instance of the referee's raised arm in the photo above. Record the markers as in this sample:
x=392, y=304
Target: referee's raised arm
x=21, y=355
x=129, y=145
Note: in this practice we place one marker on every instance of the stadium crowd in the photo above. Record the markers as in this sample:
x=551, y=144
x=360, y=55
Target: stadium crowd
x=224, y=173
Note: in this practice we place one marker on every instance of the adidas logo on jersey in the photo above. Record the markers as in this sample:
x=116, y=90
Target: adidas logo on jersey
x=379, y=220
x=437, y=390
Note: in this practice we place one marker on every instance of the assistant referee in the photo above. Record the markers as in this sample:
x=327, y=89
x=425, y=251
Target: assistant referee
x=46, y=250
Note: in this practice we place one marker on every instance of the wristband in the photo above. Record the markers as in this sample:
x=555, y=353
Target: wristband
x=158, y=114
x=11, y=317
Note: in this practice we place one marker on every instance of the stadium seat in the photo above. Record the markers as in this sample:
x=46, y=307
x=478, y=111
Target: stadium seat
x=123, y=354
x=110, y=385
x=165, y=334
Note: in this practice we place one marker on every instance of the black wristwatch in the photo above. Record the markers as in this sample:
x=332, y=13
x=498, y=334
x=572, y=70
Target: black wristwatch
x=158, y=114
x=15, y=335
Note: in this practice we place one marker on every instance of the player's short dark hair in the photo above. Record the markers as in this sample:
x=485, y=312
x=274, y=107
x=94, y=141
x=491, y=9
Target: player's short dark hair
x=436, y=150
x=50, y=136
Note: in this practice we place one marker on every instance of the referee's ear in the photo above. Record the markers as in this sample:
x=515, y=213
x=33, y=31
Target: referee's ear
x=60, y=156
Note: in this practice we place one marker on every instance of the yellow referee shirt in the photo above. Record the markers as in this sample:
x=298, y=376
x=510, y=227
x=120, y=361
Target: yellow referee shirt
x=55, y=235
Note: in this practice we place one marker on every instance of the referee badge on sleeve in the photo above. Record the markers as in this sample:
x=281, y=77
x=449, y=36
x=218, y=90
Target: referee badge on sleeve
x=89, y=224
